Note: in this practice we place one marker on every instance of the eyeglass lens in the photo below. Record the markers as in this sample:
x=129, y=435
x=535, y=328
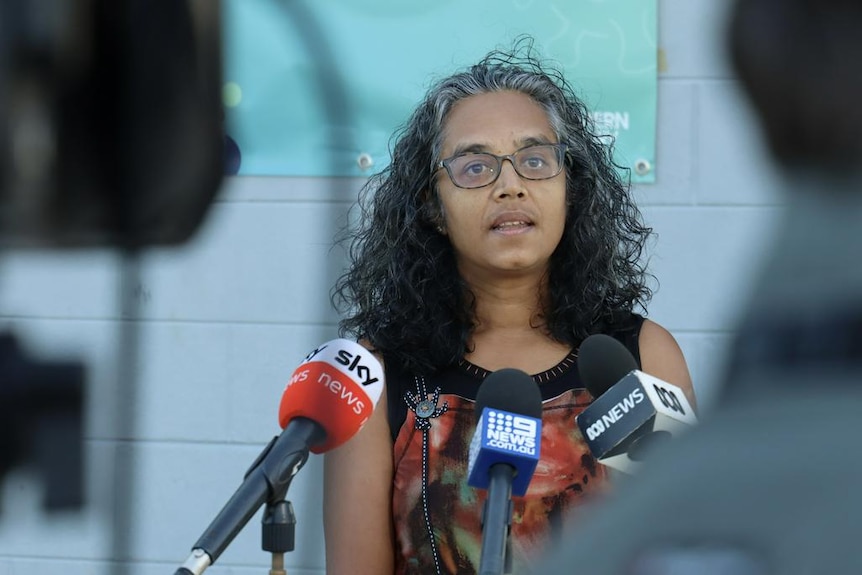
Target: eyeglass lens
x=477, y=170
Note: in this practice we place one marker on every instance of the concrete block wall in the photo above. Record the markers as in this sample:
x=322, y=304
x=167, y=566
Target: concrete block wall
x=222, y=322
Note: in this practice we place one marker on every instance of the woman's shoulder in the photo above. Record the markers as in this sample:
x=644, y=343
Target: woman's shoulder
x=662, y=357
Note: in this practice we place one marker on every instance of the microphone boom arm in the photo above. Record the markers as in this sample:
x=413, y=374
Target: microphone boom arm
x=266, y=481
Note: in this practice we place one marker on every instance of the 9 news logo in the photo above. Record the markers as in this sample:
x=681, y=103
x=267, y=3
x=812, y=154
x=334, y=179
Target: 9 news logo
x=512, y=432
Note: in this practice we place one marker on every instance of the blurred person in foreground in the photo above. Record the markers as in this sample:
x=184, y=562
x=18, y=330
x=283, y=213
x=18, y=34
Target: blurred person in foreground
x=768, y=483
x=500, y=236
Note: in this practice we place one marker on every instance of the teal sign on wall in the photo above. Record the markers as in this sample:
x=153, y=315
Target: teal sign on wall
x=318, y=88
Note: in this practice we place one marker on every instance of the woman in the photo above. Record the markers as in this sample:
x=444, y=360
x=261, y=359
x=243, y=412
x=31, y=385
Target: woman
x=500, y=236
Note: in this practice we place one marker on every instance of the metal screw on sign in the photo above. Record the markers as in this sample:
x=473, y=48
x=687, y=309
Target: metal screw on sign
x=643, y=167
x=365, y=161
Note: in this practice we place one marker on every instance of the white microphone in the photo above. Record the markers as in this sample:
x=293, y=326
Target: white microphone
x=633, y=411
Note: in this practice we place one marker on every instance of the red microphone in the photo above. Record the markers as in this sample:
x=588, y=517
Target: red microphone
x=327, y=400
x=337, y=386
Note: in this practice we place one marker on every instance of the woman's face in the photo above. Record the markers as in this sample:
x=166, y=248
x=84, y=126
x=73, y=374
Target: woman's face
x=512, y=225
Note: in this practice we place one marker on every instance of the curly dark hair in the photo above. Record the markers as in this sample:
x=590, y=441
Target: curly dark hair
x=402, y=292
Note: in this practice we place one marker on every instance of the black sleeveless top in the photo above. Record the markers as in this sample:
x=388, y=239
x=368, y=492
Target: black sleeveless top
x=435, y=512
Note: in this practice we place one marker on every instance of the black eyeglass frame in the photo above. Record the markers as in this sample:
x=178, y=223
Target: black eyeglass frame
x=561, y=149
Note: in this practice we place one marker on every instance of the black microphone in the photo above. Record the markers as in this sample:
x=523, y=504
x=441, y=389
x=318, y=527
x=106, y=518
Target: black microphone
x=603, y=361
x=503, y=456
x=632, y=412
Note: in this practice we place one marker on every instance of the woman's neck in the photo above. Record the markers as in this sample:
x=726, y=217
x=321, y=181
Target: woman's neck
x=510, y=327
x=512, y=305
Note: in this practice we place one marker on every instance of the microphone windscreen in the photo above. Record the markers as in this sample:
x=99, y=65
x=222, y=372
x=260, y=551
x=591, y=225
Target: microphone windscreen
x=602, y=362
x=336, y=386
x=510, y=390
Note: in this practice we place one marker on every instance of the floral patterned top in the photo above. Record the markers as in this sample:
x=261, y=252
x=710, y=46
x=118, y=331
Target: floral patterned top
x=437, y=515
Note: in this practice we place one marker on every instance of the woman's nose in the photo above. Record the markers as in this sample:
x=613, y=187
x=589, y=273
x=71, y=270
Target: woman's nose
x=509, y=183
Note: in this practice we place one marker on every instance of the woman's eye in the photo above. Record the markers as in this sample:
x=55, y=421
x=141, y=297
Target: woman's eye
x=477, y=166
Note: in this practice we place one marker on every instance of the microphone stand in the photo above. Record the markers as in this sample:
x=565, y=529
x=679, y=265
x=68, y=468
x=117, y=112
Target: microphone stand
x=266, y=481
x=496, y=557
x=278, y=530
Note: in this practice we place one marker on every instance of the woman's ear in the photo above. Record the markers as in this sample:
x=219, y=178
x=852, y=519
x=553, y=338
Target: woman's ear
x=432, y=211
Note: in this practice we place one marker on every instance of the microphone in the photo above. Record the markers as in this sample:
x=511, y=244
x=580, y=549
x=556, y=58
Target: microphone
x=328, y=399
x=503, y=455
x=337, y=385
x=633, y=411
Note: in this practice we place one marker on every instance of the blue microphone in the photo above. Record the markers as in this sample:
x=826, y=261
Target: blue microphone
x=503, y=455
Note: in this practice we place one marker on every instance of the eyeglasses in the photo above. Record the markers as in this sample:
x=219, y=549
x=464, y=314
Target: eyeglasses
x=475, y=170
